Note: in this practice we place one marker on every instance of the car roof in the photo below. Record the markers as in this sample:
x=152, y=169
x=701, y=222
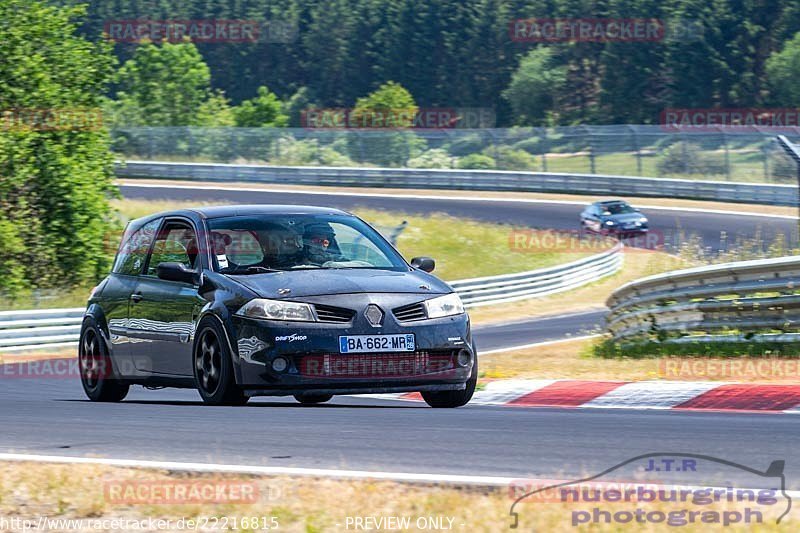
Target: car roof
x=264, y=209
x=610, y=202
x=220, y=211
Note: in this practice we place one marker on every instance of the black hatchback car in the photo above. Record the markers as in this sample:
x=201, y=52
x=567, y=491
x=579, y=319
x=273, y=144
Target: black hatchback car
x=246, y=301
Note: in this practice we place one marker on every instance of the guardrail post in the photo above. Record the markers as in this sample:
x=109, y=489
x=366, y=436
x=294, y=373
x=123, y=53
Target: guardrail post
x=727, y=156
x=635, y=139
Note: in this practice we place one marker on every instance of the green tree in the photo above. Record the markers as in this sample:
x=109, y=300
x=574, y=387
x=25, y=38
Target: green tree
x=163, y=85
x=534, y=86
x=783, y=71
x=384, y=117
x=56, y=169
x=265, y=110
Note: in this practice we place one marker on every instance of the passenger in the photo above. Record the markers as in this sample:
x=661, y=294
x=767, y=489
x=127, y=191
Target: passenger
x=282, y=249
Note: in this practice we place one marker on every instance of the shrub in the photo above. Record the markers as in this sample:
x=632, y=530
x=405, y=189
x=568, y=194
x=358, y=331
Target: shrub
x=290, y=151
x=687, y=158
x=507, y=158
x=476, y=161
x=434, y=158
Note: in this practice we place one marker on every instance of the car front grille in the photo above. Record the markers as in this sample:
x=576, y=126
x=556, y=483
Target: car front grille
x=376, y=365
x=410, y=312
x=326, y=313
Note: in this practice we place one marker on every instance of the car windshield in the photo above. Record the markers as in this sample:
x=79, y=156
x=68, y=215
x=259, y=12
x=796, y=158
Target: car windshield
x=618, y=208
x=266, y=243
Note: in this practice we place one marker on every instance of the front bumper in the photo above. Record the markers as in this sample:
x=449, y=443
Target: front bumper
x=310, y=354
x=626, y=229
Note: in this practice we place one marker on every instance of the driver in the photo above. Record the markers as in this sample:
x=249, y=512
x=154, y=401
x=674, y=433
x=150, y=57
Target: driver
x=319, y=244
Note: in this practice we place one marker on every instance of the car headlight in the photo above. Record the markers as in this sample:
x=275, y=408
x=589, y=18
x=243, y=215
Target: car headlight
x=277, y=310
x=609, y=222
x=447, y=305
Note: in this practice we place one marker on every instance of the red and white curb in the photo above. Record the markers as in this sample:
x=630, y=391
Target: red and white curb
x=674, y=395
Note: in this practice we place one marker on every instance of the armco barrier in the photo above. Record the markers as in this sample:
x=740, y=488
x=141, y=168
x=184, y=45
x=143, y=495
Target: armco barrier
x=483, y=180
x=28, y=330
x=746, y=301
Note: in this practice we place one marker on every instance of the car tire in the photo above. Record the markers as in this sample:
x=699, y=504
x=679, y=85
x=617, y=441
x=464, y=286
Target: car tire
x=95, y=367
x=313, y=399
x=454, y=398
x=213, y=367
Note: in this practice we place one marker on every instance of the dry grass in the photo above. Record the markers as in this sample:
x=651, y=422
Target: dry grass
x=574, y=359
x=570, y=359
x=28, y=491
x=661, y=202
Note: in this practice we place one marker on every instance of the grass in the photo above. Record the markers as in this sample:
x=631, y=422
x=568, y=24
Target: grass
x=580, y=359
x=28, y=491
x=570, y=359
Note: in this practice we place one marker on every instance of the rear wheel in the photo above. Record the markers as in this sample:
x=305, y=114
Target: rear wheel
x=94, y=362
x=312, y=399
x=213, y=368
x=454, y=398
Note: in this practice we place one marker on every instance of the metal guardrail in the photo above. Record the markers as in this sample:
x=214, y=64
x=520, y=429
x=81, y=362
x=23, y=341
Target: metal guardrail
x=483, y=180
x=492, y=290
x=746, y=301
x=46, y=328
x=28, y=330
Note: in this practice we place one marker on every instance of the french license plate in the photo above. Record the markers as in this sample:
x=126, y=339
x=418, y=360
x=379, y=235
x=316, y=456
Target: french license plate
x=377, y=343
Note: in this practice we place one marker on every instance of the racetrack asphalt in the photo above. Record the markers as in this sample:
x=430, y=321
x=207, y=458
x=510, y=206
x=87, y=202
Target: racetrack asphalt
x=52, y=417
x=47, y=415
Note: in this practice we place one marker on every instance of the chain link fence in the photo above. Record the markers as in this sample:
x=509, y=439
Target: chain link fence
x=732, y=154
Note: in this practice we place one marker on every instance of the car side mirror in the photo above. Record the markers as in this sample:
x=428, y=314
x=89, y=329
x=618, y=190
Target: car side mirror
x=177, y=272
x=426, y=264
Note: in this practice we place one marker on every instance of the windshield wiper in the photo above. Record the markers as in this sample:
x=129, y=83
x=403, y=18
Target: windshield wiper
x=251, y=270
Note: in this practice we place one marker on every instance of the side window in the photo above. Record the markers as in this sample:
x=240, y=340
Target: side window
x=237, y=247
x=133, y=250
x=176, y=243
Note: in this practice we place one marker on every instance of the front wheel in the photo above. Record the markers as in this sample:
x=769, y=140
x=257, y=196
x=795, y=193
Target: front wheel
x=454, y=398
x=213, y=368
x=94, y=362
x=312, y=399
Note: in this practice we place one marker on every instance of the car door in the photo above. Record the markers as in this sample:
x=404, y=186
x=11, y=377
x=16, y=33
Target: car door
x=163, y=313
x=121, y=283
x=592, y=219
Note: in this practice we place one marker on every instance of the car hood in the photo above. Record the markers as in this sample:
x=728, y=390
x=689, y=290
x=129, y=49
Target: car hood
x=302, y=283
